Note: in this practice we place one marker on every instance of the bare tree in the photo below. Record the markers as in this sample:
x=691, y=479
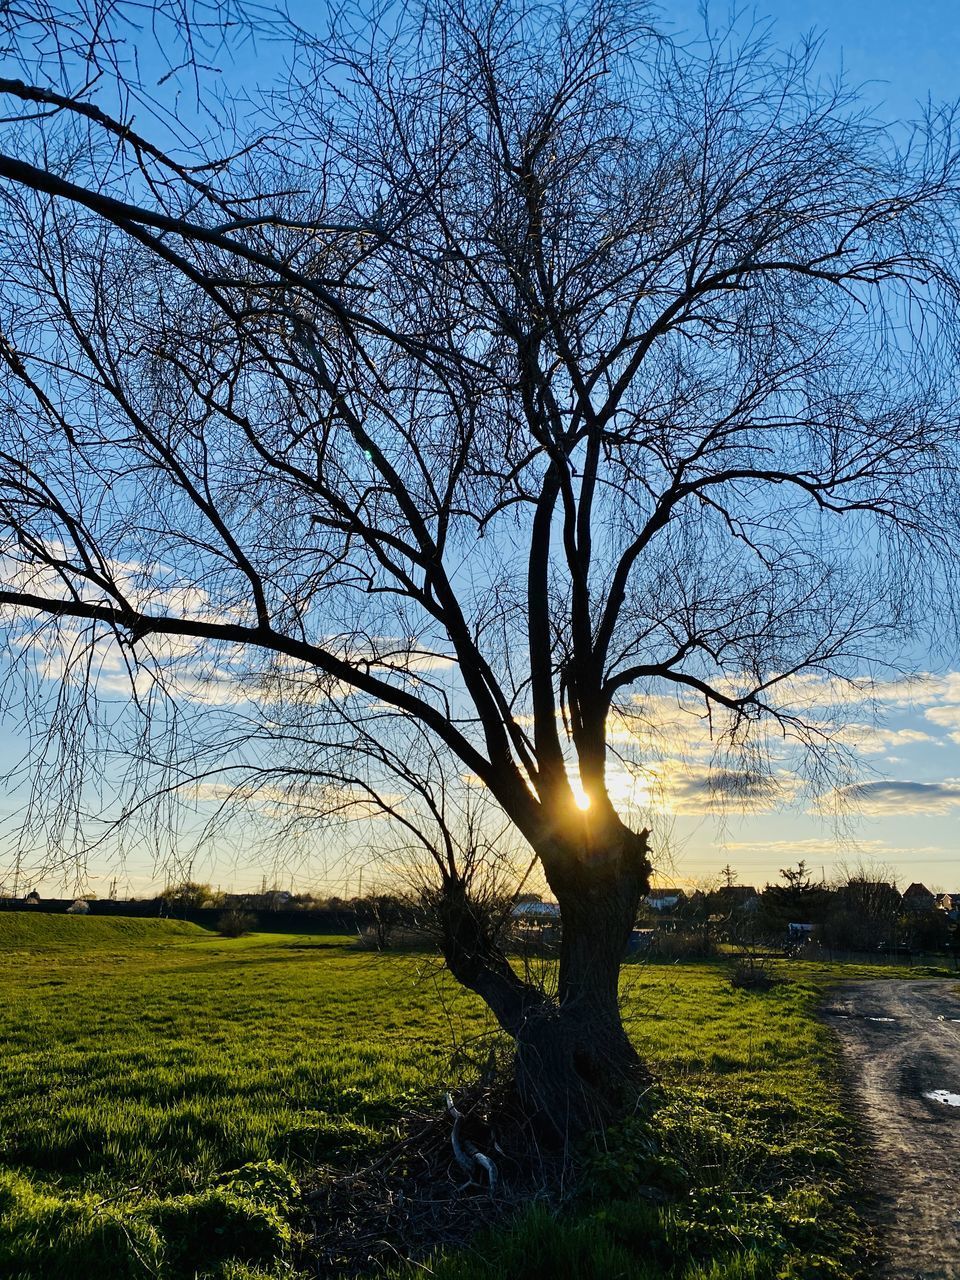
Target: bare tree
x=509, y=364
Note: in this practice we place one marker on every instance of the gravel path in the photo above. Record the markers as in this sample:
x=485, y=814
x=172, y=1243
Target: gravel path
x=901, y=1042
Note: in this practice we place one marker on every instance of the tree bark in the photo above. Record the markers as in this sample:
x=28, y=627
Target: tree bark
x=577, y=1068
x=469, y=936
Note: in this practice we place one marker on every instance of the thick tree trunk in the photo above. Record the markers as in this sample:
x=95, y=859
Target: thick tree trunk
x=576, y=1065
x=576, y=1071
x=576, y=1068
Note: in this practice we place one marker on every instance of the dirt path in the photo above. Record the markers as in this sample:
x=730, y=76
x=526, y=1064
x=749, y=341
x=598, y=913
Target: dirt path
x=901, y=1041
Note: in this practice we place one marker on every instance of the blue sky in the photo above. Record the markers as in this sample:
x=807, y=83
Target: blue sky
x=904, y=818
x=899, y=52
x=907, y=818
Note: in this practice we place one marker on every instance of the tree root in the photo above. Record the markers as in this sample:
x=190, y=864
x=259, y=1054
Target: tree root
x=412, y=1197
x=468, y=1156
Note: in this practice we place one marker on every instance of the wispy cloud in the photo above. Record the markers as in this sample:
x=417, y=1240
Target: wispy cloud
x=713, y=791
x=875, y=739
x=894, y=798
x=326, y=799
x=946, y=717
x=920, y=689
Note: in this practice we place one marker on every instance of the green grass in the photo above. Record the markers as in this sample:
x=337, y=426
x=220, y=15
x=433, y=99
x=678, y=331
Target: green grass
x=21, y=929
x=163, y=1057
x=746, y=1170
x=143, y=1061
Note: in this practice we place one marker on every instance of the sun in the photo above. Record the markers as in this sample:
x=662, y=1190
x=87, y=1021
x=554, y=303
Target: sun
x=580, y=797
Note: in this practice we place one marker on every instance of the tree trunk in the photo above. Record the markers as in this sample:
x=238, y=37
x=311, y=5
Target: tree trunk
x=576, y=1066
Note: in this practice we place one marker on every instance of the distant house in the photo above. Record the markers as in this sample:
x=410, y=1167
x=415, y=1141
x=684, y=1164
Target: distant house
x=918, y=898
x=535, y=921
x=741, y=894
x=535, y=912
x=733, y=897
x=665, y=899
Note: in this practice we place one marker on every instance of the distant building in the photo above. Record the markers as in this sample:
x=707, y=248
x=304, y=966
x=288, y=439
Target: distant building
x=32, y=899
x=918, y=898
x=262, y=900
x=535, y=912
x=731, y=898
x=665, y=899
x=535, y=922
x=739, y=894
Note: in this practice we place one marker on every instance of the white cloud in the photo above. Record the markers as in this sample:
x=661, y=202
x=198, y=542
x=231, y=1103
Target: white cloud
x=875, y=739
x=660, y=723
x=808, y=690
x=945, y=717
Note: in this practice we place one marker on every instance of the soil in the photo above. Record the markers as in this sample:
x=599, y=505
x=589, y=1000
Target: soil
x=901, y=1044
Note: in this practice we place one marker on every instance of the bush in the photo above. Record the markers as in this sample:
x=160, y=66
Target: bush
x=684, y=944
x=752, y=973
x=235, y=923
x=266, y=1182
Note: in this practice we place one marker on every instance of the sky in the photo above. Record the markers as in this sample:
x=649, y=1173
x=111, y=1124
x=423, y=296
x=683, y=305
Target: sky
x=908, y=817
x=902, y=820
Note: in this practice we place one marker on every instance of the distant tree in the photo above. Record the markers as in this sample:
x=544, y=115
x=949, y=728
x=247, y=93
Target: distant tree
x=863, y=915
x=305, y=902
x=800, y=899
x=189, y=893
x=512, y=365
x=386, y=912
x=925, y=930
x=235, y=922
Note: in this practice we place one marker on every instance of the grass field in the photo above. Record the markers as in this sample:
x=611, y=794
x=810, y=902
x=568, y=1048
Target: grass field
x=142, y=1063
